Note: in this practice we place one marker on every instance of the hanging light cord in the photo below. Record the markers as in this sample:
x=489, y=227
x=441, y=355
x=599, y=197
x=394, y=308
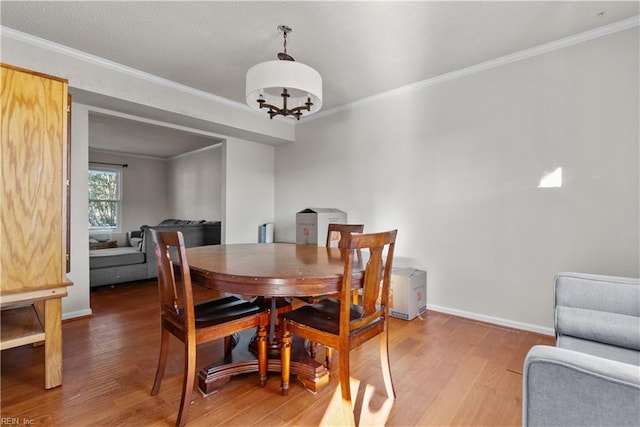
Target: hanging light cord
x=285, y=41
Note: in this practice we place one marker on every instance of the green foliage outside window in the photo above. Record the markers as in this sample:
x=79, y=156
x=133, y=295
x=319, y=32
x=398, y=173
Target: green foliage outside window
x=104, y=198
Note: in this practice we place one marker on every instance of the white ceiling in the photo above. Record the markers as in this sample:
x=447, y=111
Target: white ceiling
x=360, y=48
x=124, y=135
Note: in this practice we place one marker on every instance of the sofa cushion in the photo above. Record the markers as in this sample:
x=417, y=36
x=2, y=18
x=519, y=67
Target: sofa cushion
x=126, y=255
x=603, y=309
x=612, y=352
x=601, y=293
x=609, y=328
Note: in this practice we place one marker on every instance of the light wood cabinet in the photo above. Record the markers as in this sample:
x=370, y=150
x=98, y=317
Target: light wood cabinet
x=33, y=212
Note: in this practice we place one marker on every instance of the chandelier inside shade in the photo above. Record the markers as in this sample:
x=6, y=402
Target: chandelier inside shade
x=284, y=87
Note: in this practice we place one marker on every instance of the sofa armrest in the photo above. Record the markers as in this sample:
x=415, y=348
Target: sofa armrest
x=567, y=388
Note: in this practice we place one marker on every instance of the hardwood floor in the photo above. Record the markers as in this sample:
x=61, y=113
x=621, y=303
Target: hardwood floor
x=447, y=371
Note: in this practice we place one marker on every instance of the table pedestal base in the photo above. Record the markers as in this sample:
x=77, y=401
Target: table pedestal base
x=241, y=361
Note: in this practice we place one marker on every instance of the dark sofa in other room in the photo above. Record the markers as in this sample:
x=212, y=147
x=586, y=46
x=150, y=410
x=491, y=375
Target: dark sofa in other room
x=137, y=261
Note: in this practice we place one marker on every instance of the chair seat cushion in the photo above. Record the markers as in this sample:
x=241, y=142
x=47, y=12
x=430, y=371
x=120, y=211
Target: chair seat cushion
x=324, y=315
x=221, y=310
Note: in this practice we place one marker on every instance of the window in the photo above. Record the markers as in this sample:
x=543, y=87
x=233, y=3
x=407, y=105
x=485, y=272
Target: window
x=104, y=199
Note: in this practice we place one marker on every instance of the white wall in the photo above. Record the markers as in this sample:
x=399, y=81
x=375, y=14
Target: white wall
x=77, y=302
x=195, y=185
x=186, y=187
x=455, y=167
x=144, y=190
x=248, y=189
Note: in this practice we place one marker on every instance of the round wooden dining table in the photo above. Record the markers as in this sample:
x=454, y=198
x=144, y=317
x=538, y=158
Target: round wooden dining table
x=271, y=271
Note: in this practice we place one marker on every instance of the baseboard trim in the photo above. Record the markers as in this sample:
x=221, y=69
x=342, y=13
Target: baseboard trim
x=76, y=314
x=493, y=320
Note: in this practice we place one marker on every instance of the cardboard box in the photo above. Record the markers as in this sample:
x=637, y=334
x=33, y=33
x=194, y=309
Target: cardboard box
x=408, y=296
x=312, y=224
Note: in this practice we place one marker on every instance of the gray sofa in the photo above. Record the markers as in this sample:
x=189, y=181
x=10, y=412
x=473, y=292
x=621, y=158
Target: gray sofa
x=592, y=376
x=137, y=261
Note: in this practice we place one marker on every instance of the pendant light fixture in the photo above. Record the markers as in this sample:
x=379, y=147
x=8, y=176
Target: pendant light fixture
x=284, y=87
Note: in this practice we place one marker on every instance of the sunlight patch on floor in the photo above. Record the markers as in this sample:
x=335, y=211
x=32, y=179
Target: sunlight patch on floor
x=371, y=414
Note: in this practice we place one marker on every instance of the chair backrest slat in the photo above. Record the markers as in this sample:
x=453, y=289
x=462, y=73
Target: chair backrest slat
x=174, y=298
x=372, y=278
x=377, y=275
x=336, y=231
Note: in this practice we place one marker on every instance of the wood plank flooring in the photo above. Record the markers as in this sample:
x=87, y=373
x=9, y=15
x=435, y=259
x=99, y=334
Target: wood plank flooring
x=447, y=371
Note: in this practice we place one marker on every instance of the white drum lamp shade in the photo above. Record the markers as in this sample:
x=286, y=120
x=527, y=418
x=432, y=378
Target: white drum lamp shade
x=268, y=79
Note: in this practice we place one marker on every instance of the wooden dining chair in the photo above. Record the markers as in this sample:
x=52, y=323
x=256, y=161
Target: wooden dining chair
x=335, y=234
x=341, y=230
x=196, y=323
x=341, y=325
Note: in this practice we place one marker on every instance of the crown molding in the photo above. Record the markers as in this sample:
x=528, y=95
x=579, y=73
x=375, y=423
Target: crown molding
x=483, y=66
x=106, y=112
x=487, y=65
x=197, y=151
x=122, y=153
x=114, y=66
x=148, y=157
